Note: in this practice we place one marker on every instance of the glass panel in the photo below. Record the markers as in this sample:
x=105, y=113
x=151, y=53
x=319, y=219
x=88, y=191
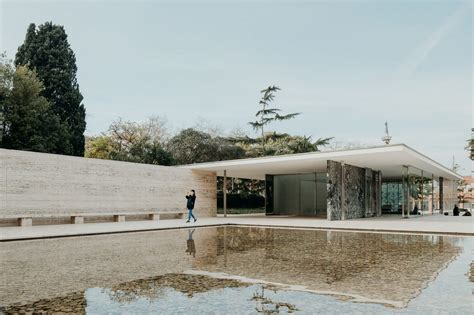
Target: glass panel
x=287, y=193
x=321, y=194
x=308, y=194
x=301, y=194
x=268, y=194
x=392, y=197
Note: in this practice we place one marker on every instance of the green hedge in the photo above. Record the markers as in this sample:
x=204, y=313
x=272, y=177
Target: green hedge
x=245, y=201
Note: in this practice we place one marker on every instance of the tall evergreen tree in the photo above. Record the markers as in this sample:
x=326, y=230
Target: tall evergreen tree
x=266, y=115
x=46, y=50
x=27, y=122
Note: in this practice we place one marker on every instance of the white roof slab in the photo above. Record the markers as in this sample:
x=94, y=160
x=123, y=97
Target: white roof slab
x=388, y=158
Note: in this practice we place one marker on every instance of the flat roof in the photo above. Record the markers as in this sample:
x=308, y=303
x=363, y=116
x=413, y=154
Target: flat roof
x=388, y=159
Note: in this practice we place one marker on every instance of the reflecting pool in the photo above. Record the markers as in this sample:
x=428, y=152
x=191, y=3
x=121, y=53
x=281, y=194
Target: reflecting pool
x=243, y=270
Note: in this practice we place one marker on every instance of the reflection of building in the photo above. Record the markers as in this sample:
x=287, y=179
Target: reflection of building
x=347, y=184
x=380, y=268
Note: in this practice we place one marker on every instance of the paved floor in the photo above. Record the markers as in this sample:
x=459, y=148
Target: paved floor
x=436, y=224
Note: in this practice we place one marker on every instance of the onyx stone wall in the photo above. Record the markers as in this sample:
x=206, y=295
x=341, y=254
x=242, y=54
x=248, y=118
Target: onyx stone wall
x=354, y=202
x=40, y=184
x=334, y=191
x=352, y=192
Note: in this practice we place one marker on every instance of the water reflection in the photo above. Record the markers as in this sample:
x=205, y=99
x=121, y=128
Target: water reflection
x=191, y=246
x=57, y=274
x=376, y=267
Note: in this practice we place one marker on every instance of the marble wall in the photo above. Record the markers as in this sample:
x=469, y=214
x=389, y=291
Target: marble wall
x=334, y=191
x=352, y=192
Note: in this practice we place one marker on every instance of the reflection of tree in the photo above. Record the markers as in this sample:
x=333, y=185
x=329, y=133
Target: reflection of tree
x=153, y=288
x=129, y=292
x=74, y=303
x=471, y=272
x=241, y=239
x=266, y=305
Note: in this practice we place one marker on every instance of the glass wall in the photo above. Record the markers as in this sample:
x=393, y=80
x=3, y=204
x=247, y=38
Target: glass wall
x=392, y=197
x=300, y=194
x=421, y=191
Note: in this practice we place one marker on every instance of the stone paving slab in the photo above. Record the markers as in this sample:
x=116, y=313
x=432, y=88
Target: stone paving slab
x=436, y=224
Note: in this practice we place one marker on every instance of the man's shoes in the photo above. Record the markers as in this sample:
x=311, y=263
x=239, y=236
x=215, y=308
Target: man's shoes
x=195, y=220
x=188, y=221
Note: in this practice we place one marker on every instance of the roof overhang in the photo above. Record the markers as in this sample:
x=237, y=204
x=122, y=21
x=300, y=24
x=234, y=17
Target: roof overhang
x=388, y=159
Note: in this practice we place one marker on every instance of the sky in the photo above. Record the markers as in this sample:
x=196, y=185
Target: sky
x=347, y=66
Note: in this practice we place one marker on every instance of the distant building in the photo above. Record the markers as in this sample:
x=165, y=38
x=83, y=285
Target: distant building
x=465, y=193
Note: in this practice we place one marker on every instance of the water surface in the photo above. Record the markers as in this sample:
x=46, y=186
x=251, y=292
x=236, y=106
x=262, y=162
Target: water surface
x=246, y=270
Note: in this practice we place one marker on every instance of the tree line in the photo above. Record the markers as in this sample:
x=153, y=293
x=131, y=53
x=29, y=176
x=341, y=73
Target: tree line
x=41, y=109
x=152, y=142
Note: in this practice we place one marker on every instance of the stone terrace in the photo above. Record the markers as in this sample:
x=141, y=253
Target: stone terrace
x=428, y=224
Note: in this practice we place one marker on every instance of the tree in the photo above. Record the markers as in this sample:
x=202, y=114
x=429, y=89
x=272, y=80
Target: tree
x=47, y=51
x=470, y=145
x=266, y=115
x=6, y=84
x=349, y=145
x=28, y=122
x=193, y=146
x=461, y=192
x=99, y=147
x=279, y=143
x=133, y=142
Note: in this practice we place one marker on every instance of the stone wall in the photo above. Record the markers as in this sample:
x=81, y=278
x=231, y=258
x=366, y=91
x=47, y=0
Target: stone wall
x=450, y=194
x=352, y=192
x=334, y=193
x=47, y=184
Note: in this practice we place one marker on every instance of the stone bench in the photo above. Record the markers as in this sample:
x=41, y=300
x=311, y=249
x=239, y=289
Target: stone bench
x=78, y=218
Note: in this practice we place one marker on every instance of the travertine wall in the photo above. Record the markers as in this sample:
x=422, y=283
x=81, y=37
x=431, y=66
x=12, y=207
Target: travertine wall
x=38, y=183
x=352, y=192
x=450, y=194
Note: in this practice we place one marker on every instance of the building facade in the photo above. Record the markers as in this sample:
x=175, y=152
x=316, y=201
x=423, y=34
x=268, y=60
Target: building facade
x=336, y=185
x=347, y=184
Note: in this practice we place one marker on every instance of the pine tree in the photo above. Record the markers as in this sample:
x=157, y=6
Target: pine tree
x=266, y=115
x=46, y=51
x=28, y=122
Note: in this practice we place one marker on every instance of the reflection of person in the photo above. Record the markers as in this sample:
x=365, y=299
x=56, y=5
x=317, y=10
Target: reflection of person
x=191, y=196
x=456, y=211
x=191, y=247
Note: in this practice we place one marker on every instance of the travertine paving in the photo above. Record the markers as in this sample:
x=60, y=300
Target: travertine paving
x=431, y=224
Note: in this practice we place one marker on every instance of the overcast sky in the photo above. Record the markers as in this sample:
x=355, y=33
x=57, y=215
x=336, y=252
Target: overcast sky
x=347, y=66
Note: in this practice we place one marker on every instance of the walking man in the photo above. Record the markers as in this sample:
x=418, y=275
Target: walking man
x=191, y=196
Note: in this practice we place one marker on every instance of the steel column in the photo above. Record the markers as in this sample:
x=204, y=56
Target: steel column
x=224, y=193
